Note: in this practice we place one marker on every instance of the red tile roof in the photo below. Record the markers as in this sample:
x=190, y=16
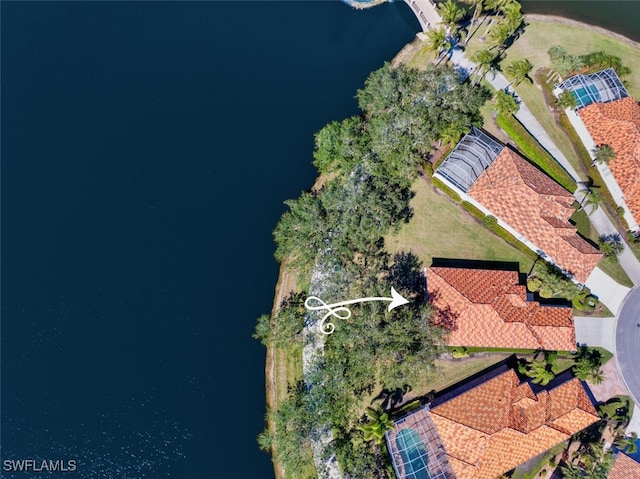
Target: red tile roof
x=491, y=310
x=502, y=423
x=624, y=468
x=617, y=124
x=538, y=208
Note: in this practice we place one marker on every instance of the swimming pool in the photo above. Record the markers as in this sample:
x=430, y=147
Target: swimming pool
x=586, y=95
x=414, y=454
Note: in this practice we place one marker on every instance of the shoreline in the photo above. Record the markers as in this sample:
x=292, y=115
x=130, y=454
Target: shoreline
x=271, y=367
x=538, y=17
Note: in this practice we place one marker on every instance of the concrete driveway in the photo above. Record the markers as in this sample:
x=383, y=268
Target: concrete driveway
x=628, y=342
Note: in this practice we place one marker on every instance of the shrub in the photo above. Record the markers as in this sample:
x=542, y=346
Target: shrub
x=490, y=221
x=459, y=352
x=473, y=210
x=577, y=302
x=534, y=284
x=545, y=291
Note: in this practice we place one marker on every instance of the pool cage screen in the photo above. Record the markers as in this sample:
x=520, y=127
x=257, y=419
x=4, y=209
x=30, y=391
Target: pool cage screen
x=416, y=449
x=471, y=156
x=600, y=87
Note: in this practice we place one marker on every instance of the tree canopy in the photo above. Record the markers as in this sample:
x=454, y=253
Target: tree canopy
x=367, y=165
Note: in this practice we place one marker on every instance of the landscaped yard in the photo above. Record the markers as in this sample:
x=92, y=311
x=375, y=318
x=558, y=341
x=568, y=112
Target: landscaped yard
x=533, y=45
x=442, y=229
x=449, y=372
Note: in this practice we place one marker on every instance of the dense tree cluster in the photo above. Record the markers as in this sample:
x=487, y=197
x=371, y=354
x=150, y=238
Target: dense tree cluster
x=367, y=164
x=568, y=65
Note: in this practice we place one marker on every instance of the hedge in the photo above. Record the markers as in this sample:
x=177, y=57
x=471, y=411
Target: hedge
x=509, y=238
x=530, y=148
x=445, y=189
x=473, y=210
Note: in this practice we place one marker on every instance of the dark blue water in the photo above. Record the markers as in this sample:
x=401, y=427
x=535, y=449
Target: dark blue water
x=146, y=152
x=621, y=16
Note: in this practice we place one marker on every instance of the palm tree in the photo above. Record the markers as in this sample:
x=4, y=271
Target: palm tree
x=379, y=423
x=627, y=443
x=506, y=103
x=498, y=35
x=611, y=245
x=567, y=100
x=596, y=376
x=452, y=133
x=450, y=12
x=591, y=198
x=437, y=40
x=512, y=16
x=519, y=71
x=603, y=154
x=540, y=372
x=477, y=10
x=496, y=5
x=484, y=60
x=571, y=471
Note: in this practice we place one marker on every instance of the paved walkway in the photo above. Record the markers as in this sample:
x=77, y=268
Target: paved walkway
x=610, y=292
x=426, y=13
x=524, y=115
x=598, y=218
x=604, y=226
x=594, y=331
x=612, y=384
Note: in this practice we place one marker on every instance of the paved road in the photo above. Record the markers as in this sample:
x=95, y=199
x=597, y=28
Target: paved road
x=628, y=343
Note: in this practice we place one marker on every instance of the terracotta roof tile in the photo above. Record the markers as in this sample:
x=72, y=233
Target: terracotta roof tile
x=462, y=469
x=624, y=468
x=464, y=443
x=617, y=124
x=500, y=424
x=478, y=285
x=574, y=420
x=485, y=408
x=498, y=316
x=538, y=208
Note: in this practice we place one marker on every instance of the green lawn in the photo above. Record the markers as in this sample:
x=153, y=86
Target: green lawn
x=583, y=225
x=529, y=147
x=534, y=43
x=449, y=372
x=442, y=229
x=612, y=267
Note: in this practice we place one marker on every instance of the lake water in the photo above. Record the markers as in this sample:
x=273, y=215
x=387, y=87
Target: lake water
x=147, y=149
x=146, y=152
x=620, y=16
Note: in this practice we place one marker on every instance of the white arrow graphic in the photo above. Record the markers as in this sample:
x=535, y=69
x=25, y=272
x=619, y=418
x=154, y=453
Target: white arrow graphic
x=336, y=309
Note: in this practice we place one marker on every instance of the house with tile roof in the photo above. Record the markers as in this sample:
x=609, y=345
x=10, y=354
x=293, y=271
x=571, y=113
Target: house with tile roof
x=607, y=115
x=488, y=428
x=526, y=202
x=491, y=309
x=624, y=468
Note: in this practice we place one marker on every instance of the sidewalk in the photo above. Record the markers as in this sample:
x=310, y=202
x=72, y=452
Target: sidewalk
x=604, y=226
x=524, y=115
x=598, y=218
